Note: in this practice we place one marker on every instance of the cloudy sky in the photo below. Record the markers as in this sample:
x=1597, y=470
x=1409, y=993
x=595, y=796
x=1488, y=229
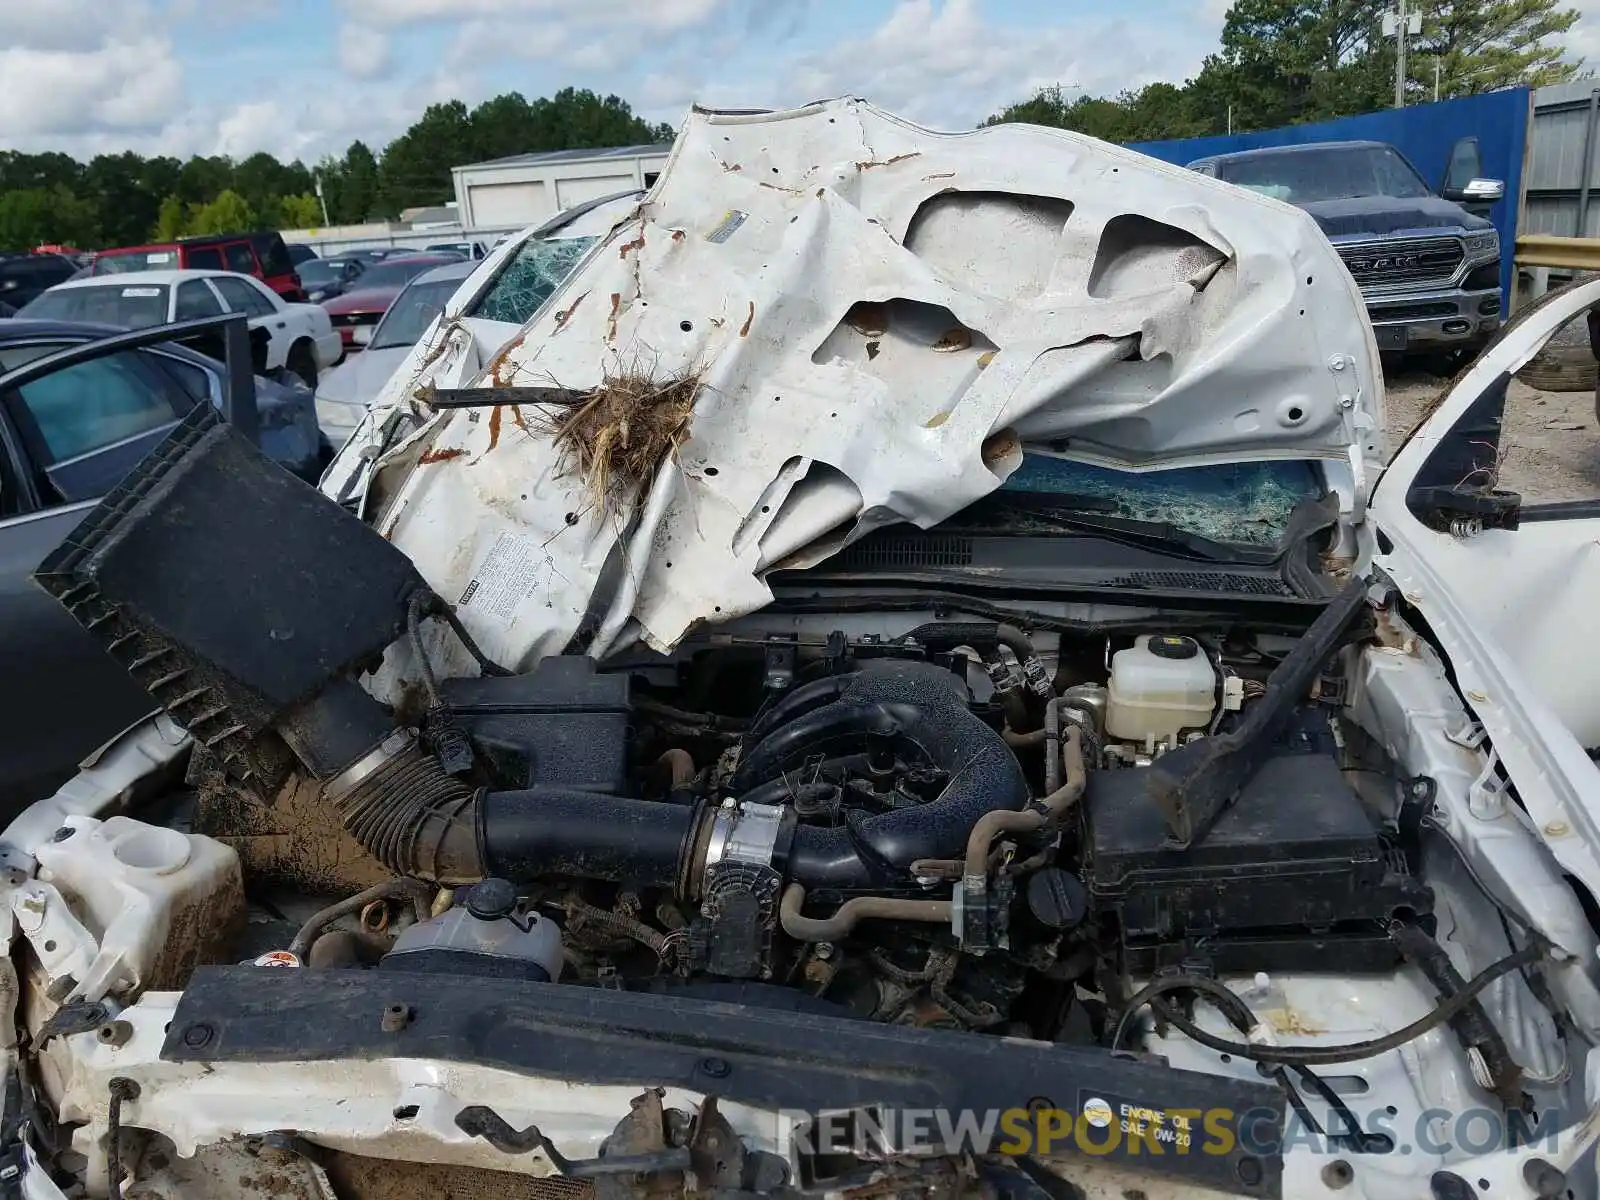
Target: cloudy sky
x=304, y=77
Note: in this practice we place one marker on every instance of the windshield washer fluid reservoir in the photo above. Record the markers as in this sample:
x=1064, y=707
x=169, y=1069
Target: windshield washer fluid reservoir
x=153, y=903
x=1160, y=686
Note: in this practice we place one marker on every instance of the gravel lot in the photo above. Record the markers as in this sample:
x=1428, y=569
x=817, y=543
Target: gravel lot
x=1554, y=441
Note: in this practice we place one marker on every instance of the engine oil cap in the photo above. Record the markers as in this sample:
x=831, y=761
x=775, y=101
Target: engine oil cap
x=491, y=899
x=1170, y=645
x=1057, y=899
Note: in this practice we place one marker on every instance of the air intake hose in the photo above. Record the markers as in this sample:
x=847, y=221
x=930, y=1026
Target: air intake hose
x=398, y=802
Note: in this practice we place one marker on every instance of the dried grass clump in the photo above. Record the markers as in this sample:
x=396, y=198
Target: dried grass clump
x=616, y=436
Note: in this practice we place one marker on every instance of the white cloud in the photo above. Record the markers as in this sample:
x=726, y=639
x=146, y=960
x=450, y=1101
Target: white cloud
x=135, y=85
x=948, y=64
x=363, y=52
x=1583, y=39
x=85, y=76
x=533, y=15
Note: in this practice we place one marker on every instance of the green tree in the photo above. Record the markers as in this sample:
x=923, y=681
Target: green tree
x=299, y=212
x=1283, y=62
x=416, y=166
x=350, y=184
x=1160, y=110
x=228, y=213
x=172, y=221
x=1483, y=45
x=31, y=217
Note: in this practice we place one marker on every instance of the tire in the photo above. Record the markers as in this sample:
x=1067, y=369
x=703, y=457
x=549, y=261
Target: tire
x=303, y=363
x=1561, y=369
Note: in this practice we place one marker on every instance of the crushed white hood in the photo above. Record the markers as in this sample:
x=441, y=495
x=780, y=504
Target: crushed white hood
x=883, y=316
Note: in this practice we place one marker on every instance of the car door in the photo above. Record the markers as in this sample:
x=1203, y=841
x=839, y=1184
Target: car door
x=54, y=464
x=1489, y=527
x=241, y=258
x=263, y=311
x=195, y=298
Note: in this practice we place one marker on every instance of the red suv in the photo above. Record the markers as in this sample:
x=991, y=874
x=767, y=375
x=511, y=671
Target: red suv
x=260, y=254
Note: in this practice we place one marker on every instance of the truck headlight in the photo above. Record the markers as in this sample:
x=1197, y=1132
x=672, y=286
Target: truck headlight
x=1481, y=244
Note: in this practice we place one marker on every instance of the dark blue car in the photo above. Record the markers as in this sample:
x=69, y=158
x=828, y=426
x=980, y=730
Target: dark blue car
x=66, y=436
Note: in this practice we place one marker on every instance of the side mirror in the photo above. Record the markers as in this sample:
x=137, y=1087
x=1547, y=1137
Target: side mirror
x=1477, y=191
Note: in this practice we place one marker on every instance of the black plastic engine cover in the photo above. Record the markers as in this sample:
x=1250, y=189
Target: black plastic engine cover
x=1294, y=876
x=562, y=725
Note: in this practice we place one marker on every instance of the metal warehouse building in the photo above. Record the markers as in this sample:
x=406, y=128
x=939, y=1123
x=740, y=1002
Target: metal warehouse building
x=525, y=189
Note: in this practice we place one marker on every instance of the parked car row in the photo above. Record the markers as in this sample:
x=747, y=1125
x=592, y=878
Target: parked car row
x=301, y=338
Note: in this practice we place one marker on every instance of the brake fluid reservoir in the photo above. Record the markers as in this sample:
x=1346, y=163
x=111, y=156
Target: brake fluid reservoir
x=1160, y=686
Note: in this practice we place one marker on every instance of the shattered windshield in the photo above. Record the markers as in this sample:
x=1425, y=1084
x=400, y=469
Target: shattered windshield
x=1248, y=503
x=527, y=280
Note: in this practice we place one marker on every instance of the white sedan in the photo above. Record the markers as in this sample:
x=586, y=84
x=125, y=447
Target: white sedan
x=301, y=339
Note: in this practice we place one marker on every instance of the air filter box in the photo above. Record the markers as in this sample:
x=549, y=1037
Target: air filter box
x=230, y=590
x=563, y=724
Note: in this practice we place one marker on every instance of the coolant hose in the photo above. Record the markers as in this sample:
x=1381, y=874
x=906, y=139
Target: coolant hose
x=1050, y=809
x=852, y=912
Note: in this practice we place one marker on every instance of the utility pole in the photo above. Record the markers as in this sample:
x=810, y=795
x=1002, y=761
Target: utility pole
x=1398, y=25
x=316, y=181
x=1400, y=55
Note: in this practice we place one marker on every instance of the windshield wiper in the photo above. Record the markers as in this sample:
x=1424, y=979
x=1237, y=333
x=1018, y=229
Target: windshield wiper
x=1091, y=515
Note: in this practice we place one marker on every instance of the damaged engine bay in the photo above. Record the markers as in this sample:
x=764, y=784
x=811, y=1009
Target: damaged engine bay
x=952, y=824
x=502, y=824
x=932, y=827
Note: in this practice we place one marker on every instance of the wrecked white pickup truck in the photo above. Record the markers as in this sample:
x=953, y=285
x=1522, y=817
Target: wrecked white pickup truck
x=897, y=681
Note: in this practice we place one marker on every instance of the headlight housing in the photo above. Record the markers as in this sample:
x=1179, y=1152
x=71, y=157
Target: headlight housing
x=1480, y=245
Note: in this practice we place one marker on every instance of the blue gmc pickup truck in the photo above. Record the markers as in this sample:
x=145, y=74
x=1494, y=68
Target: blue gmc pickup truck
x=1428, y=267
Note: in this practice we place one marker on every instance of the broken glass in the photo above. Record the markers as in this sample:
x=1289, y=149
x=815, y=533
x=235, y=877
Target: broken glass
x=1247, y=502
x=527, y=280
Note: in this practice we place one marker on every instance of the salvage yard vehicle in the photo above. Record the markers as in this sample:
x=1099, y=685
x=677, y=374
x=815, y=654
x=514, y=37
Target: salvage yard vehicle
x=1428, y=263
x=902, y=677
x=344, y=392
x=325, y=278
x=356, y=312
x=70, y=434
x=477, y=318
x=300, y=337
x=24, y=276
x=261, y=255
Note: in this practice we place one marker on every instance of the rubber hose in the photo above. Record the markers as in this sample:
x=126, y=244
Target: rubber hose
x=852, y=912
x=1356, y=1051
x=1472, y=1024
x=1050, y=810
x=616, y=922
x=587, y=835
x=680, y=767
x=420, y=893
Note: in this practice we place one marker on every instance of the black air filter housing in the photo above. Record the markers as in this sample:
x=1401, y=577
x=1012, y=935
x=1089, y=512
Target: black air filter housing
x=230, y=590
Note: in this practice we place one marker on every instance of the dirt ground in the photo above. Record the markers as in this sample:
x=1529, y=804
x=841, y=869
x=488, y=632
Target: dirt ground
x=1553, y=449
